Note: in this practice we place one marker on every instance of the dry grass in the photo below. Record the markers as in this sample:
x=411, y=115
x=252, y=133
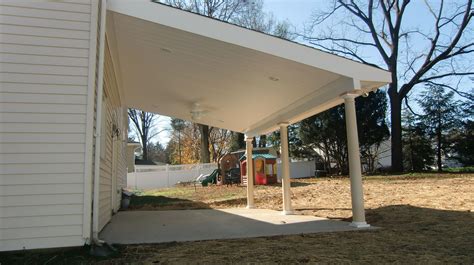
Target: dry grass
x=324, y=197
x=425, y=219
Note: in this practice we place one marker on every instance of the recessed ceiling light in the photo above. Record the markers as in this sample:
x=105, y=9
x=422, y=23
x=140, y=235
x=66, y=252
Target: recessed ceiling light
x=273, y=78
x=166, y=50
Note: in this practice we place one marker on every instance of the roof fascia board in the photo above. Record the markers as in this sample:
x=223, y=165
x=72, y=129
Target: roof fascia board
x=112, y=44
x=225, y=32
x=303, y=108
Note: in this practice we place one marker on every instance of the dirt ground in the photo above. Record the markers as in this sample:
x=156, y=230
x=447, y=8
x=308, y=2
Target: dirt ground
x=424, y=218
x=324, y=197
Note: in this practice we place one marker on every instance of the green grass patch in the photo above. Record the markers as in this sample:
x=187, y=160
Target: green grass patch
x=167, y=192
x=460, y=169
x=418, y=175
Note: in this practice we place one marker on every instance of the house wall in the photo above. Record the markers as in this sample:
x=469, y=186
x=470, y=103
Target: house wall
x=47, y=67
x=113, y=167
x=131, y=157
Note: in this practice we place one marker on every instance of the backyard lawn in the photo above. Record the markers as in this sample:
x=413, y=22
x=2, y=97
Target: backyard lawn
x=425, y=218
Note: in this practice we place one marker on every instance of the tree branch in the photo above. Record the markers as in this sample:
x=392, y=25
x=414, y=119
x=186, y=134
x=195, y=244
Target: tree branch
x=410, y=109
x=333, y=39
x=444, y=75
x=430, y=63
x=463, y=94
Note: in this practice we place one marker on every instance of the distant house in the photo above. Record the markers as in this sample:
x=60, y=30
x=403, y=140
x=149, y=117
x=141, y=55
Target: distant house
x=132, y=148
x=70, y=69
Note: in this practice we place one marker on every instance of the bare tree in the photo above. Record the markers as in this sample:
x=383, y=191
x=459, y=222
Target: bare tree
x=220, y=142
x=145, y=126
x=224, y=10
x=414, y=54
x=244, y=13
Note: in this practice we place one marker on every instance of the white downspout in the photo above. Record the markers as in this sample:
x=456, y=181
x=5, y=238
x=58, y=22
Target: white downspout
x=98, y=125
x=114, y=174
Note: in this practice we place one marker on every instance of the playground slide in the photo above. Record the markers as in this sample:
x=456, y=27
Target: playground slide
x=202, y=177
x=212, y=178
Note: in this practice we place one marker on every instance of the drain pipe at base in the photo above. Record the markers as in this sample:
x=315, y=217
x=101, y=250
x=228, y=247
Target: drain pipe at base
x=98, y=127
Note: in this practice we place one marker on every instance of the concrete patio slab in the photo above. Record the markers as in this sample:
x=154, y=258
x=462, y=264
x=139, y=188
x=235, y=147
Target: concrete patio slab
x=136, y=227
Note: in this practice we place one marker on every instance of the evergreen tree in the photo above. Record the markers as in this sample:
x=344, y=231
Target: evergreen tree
x=441, y=115
x=417, y=148
x=371, y=126
x=327, y=131
x=464, y=144
x=295, y=145
x=464, y=136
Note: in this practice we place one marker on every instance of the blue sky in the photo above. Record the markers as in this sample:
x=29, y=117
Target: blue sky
x=295, y=11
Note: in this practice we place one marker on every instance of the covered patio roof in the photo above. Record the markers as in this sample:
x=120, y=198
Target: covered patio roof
x=176, y=63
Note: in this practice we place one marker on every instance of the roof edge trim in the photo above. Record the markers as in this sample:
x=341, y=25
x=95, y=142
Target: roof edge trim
x=229, y=33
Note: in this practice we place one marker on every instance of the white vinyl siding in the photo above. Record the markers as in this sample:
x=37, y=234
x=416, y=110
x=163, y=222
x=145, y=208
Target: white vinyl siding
x=44, y=78
x=113, y=166
x=103, y=128
x=121, y=159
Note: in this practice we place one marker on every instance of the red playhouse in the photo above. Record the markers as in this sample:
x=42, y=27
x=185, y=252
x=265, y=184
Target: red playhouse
x=265, y=170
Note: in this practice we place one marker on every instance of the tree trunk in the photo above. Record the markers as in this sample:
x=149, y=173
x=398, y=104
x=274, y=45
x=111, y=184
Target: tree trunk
x=241, y=140
x=262, y=141
x=238, y=141
x=205, y=154
x=145, y=148
x=438, y=149
x=412, y=167
x=179, y=146
x=214, y=153
x=396, y=133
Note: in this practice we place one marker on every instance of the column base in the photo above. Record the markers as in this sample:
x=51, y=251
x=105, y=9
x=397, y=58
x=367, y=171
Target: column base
x=250, y=207
x=359, y=224
x=290, y=212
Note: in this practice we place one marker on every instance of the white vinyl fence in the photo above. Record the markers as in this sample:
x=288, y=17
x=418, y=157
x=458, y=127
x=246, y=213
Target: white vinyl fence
x=154, y=177
x=298, y=169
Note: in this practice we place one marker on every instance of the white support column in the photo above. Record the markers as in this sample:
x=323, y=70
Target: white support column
x=285, y=169
x=250, y=175
x=355, y=172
